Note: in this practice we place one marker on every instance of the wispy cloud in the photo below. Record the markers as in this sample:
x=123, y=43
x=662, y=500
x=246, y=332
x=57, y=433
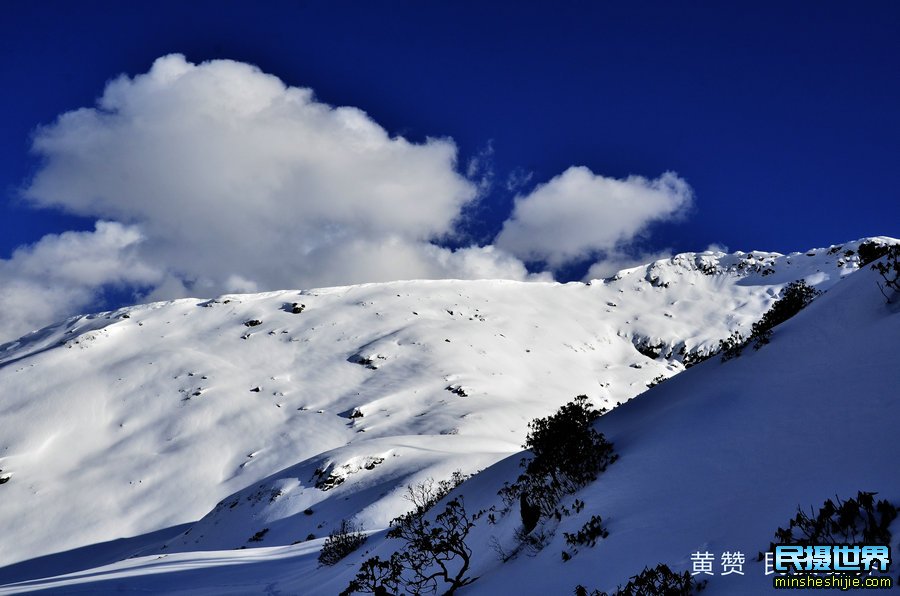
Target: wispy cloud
x=63, y=274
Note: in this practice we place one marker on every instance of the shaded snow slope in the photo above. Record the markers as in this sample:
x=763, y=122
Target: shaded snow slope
x=138, y=420
x=720, y=457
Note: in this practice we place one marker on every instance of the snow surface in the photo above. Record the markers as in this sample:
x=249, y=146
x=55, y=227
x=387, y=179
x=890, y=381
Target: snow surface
x=118, y=429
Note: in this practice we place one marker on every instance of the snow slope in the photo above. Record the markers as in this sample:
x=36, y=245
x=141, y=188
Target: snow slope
x=720, y=457
x=137, y=421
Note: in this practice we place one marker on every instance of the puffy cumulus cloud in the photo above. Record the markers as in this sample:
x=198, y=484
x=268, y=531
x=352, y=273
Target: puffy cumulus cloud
x=222, y=147
x=224, y=179
x=234, y=176
x=216, y=177
x=579, y=214
x=64, y=274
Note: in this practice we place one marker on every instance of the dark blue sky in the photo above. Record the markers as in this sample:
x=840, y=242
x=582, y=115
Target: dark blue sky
x=783, y=116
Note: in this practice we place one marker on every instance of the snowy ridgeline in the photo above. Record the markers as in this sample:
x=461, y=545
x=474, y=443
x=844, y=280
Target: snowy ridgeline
x=273, y=417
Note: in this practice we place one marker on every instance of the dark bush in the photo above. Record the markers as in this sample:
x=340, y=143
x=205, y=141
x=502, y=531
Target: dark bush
x=796, y=296
x=588, y=535
x=377, y=576
x=696, y=357
x=341, y=542
x=658, y=580
x=427, y=493
x=567, y=454
x=859, y=520
x=656, y=381
x=436, y=550
x=871, y=251
x=434, y=553
x=732, y=346
x=889, y=269
x=259, y=535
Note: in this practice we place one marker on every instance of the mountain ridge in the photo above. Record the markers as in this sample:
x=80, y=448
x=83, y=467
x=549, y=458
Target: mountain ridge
x=458, y=365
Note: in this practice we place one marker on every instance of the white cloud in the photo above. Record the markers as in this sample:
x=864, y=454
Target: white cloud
x=481, y=168
x=579, y=214
x=517, y=179
x=227, y=180
x=63, y=274
x=393, y=258
x=231, y=173
x=716, y=247
x=216, y=177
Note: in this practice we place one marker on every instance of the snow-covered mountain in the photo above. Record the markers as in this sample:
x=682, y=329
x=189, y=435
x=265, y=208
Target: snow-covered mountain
x=271, y=417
